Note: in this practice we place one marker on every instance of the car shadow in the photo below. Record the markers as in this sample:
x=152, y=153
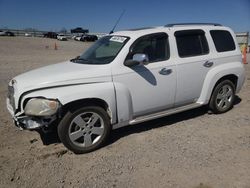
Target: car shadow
x=160, y=122
x=156, y=123
x=237, y=100
x=145, y=73
x=51, y=136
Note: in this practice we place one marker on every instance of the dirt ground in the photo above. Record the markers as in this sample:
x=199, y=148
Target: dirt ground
x=192, y=149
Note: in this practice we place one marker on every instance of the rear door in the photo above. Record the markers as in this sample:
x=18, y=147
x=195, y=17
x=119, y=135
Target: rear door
x=193, y=63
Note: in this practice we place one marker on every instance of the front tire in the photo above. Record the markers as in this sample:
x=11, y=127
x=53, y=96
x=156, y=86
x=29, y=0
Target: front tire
x=222, y=98
x=85, y=129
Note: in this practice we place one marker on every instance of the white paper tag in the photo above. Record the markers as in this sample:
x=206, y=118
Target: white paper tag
x=118, y=39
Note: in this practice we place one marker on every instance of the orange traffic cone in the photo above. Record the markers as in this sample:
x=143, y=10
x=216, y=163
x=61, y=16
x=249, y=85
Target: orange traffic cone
x=55, y=47
x=244, y=54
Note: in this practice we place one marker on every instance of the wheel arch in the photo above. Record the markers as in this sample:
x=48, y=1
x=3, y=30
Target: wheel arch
x=74, y=105
x=217, y=75
x=232, y=77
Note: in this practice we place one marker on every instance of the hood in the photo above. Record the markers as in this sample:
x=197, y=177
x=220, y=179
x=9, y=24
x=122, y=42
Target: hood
x=65, y=73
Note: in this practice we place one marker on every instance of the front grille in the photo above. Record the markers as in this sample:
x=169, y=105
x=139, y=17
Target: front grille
x=11, y=96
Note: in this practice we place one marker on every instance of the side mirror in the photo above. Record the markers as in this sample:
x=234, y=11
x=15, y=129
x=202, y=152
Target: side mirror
x=131, y=62
x=137, y=59
x=142, y=58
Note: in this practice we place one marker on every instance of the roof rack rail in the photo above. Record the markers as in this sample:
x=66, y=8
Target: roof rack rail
x=138, y=29
x=180, y=24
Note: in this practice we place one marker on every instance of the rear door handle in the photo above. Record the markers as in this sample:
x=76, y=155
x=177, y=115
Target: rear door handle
x=208, y=64
x=165, y=71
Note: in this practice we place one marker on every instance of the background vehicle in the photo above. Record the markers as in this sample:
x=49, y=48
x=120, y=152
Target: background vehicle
x=77, y=38
x=78, y=33
x=52, y=35
x=73, y=37
x=61, y=37
x=127, y=78
x=2, y=33
x=27, y=35
x=79, y=30
x=7, y=33
x=89, y=38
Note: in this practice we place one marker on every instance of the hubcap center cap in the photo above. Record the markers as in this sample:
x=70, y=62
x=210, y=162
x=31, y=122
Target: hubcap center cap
x=87, y=129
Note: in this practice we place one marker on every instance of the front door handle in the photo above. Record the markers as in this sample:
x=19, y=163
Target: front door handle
x=208, y=64
x=165, y=71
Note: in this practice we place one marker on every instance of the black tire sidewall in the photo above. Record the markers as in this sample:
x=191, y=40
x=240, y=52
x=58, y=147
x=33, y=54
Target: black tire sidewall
x=65, y=124
x=212, y=104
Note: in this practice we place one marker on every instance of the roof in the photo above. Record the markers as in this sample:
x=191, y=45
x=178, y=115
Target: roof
x=190, y=24
x=147, y=30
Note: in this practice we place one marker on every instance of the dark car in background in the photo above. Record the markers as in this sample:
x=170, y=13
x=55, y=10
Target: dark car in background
x=7, y=33
x=89, y=38
x=2, y=33
x=51, y=35
x=79, y=30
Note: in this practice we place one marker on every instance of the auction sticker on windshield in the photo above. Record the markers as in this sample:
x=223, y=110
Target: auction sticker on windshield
x=118, y=39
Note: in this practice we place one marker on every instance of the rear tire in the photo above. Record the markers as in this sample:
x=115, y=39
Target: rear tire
x=222, y=98
x=85, y=129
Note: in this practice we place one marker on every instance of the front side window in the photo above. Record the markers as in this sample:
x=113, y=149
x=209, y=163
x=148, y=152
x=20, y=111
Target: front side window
x=191, y=43
x=103, y=51
x=155, y=46
x=223, y=40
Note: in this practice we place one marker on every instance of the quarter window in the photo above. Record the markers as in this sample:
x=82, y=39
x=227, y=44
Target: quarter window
x=223, y=40
x=191, y=43
x=155, y=46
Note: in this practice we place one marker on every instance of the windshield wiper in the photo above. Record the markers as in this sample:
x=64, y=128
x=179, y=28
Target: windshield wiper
x=78, y=59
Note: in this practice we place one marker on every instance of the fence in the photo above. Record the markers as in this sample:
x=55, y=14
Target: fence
x=19, y=32
x=36, y=33
x=243, y=40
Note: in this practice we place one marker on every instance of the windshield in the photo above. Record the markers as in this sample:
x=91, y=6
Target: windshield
x=103, y=51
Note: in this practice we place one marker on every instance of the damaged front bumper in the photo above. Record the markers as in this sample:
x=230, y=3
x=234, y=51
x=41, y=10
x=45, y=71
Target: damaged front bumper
x=28, y=122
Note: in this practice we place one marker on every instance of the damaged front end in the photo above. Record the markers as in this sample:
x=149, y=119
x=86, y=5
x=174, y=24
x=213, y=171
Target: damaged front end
x=32, y=123
x=37, y=112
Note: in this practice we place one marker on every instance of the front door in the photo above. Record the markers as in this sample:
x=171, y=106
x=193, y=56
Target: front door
x=151, y=86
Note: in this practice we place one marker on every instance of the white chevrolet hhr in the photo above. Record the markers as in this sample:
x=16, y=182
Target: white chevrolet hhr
x=129, y=77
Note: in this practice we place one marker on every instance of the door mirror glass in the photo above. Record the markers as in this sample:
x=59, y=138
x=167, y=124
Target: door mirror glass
x=142, y=58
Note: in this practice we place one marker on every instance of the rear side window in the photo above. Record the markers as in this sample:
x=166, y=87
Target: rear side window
x=223, y=40
x=191, y=43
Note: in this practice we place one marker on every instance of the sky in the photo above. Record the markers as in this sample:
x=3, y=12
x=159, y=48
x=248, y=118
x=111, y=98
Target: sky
x=101, y=15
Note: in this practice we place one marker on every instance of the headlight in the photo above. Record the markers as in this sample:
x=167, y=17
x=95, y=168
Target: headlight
x=41, y=107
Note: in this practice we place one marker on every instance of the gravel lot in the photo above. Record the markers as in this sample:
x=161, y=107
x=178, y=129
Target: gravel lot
x=192, y=149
